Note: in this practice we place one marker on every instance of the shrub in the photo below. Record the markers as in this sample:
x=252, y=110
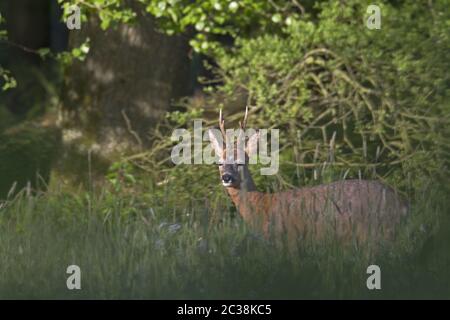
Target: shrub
x=370, y=101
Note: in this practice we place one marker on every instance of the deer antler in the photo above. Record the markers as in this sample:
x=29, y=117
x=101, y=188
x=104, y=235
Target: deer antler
x=243, y=124
x=222, y=125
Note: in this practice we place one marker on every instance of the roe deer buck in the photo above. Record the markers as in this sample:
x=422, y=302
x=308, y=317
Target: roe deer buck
x=357, y=209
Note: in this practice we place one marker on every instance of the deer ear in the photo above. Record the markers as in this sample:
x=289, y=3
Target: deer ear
x=216, y=141
x=252, y=144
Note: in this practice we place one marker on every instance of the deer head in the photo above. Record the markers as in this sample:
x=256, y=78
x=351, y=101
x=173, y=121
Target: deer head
x=233, y=166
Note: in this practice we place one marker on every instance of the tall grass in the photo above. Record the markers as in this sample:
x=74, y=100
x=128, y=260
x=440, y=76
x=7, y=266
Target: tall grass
x=134, y=248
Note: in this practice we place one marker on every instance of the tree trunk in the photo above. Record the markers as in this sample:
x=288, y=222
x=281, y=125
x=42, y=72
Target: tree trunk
x=126, y=84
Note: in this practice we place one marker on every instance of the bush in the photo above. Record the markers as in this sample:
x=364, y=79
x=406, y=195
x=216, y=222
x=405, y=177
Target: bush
x=365, y=100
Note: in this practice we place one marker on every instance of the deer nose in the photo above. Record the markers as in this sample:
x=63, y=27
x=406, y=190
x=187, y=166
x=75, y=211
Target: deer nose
x=227, y=178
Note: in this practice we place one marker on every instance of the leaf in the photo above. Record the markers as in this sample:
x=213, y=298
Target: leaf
x=43, y=52
x=276, y=18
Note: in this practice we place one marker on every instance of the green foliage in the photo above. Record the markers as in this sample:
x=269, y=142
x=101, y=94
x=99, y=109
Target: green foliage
x=66, y=58
x=7, y=81
x=120, y=175
x=215, y=18
x=209, y=20
x=78, y=53
x=353, y=101
x=350, y=102
x=179, y=118
x=358, y=99
x=110, y=12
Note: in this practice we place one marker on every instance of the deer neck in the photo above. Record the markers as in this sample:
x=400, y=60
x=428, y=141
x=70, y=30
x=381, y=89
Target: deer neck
x=247, y=183
x=247, y=199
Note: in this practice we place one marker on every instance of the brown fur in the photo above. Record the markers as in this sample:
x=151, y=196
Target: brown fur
x=354, y=209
